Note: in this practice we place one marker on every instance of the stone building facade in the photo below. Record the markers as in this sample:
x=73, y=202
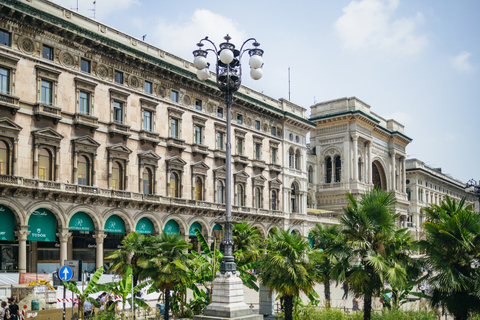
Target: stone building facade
x=102, y=134
x=353, y=149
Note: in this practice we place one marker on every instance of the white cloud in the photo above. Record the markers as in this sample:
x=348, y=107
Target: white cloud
x=371, y=25
x=181, y=38
x=462, y=62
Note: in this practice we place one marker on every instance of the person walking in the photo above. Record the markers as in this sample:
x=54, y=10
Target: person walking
x=345, y=290
x=14, y=309
x=355, y=304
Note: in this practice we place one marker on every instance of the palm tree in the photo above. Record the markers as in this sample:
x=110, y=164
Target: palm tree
x=248, y=242
x=452, y=241
x=322, y=238
x=286, y=268
x=123, y=288
x=168, y=267
x=84, y=295
x=369, y=229
x=134, y=247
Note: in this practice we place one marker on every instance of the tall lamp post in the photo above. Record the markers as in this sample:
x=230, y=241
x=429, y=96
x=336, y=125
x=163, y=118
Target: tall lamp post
x=475, y=187
x=229, y=79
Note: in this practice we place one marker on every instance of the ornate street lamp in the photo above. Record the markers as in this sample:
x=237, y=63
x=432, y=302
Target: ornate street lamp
x=474, y=186
x=229, y=79
x=227, y=299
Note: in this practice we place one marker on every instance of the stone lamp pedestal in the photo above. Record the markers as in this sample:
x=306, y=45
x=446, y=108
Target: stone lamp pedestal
x=227, y=300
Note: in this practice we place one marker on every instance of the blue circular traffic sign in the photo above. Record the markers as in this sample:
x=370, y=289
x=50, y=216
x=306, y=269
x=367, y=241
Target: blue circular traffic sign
x=65, y=273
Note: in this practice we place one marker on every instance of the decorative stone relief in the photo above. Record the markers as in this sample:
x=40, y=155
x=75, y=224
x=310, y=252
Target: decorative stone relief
x=187, y=100
x=133, y=82
x=103, y=29
x=67, y=59
x=102, y=71
x=265, y=127
x=26, y=45
x=162, y=92
x=248, y=122
x=209, y=108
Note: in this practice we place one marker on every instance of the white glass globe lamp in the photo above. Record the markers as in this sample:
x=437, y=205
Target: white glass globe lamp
x=256, y=74
x=226, y=56
x=256, y=61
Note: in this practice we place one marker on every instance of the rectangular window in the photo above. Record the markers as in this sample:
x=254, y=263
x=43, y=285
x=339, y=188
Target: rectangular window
x=119, y=77
x=84, y=102
x=258, y=151
x=4, y=80
x=117, y=112
x=198, y=135
x=85, y=65
x=257, y=125
x=198, y=104
x=47, y=52
x=220, y=112
x=274, y=131
x=147, y=120
x=148, y=87
x=220, y=143
x=174, y=128
x=46, y=92
x=274, y=155
x=5, y=38
x=174, y=96
x=239, y=119
x=239, y=146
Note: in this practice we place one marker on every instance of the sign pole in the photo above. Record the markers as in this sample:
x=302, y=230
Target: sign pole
x=64, y=293
x=72, y=305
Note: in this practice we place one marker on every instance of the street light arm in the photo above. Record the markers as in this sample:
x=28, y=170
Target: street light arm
x=200, y=44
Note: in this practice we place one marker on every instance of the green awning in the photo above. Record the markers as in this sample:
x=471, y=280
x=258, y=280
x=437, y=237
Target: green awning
x=172, y=227
x=217, y=227
x=81, y=222
x=7, y=227
x=115, y=224
x=42, y=225
x=191, y=231
x=145, y=226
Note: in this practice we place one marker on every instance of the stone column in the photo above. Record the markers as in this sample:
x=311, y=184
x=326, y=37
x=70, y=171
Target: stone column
x=99, y=237
x=94, y=173
x=370, y=163
x=404, y=176
x=64, y=235
x=392, y=169
x=35, y=161
x=355, y=157
x=57, y=165
x=22, y=248
x=15, y=157
x=267, y=299
x=75, y=167
x=70, y=248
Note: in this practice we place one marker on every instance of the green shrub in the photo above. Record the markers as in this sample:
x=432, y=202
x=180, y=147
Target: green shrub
x=314, y=313
x=403, y=315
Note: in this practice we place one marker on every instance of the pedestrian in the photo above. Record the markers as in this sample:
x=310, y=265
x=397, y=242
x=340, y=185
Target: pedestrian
x=9, y=315
x=355, y=304
x=345, y=290
x=14, y=309
x=88, y=309
x=4, y=307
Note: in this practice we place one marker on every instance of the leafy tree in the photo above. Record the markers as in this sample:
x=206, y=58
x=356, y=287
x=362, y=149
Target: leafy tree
x=323, y=237
x=90, y=289
x=167, y=268
x=286, y=268
x=123, y=288
x=369, y=230
x=452, y=242
x=248, y=242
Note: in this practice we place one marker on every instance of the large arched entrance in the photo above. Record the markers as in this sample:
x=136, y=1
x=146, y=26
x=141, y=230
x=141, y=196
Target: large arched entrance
x=145, y=226
x=8, y=245
x=379, y=178
x=83, y=244
x=115, y=232
x=193, y=236
x=44, y=244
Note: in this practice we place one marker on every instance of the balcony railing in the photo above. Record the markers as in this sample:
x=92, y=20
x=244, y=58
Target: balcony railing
x=47, y=110
x=9, y=101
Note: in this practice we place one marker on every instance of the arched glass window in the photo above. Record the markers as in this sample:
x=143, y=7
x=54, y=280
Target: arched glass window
x=3, y=157
x=258, y=198
x=117, y=176
x=338, y=169
x=310, y=175
x=44, y=165
x=174, y=184
x=240, y=195
x=290, y=159
x=293, y=203
x=359, y=169
x=220, y=192
x=274, y=200
x=297, y=160
x=328, y=178
x=83, y=171
x=198, y=188
x=147, y=181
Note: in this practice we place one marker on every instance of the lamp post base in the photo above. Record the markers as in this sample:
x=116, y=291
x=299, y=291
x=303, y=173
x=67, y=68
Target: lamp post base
x=227, y=300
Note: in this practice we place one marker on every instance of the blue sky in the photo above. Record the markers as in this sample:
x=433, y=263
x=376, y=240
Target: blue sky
x=417, y=62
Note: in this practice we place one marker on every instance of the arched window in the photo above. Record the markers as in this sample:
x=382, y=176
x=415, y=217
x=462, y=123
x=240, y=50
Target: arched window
x=258, y=197
x=310, y=174
x=147, y=181
x=338, y=169
x=220, y=192
x=290, y=158
x=408, y=194
x=297, y=160
x=309, y=201
x=174, y=185
x=198, y=189
x=274, y=200
x=359, y=169
x=83, y=171
x=117, y=176
x=44, y=164
x=293, y=203
x=240, y=195
x=328, y=178
x=3, y=157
